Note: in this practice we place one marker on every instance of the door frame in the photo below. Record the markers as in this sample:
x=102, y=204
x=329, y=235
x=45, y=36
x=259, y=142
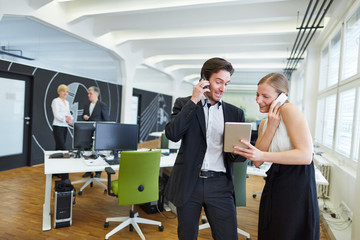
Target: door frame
x=23, y=159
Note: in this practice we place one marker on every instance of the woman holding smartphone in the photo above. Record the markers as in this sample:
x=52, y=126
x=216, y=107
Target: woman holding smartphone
x=288, y=208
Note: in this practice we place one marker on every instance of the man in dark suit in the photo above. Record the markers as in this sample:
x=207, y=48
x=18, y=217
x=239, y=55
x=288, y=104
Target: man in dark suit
x=203, y=174
x=95, y=110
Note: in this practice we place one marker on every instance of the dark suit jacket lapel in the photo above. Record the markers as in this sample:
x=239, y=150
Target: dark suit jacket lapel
x=97, y=106
x=200, y=115
x=224, y=111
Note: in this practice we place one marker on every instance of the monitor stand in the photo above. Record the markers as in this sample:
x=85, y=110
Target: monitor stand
x=116, y=155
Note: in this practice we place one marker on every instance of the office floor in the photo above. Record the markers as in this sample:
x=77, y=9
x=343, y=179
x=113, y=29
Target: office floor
x=22, y=197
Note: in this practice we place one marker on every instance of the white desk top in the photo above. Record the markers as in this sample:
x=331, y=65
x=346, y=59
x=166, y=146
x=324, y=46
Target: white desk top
x=261, y=171
x=75, y=165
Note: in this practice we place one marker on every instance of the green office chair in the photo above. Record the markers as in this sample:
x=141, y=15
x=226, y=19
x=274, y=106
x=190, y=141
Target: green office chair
x=138, y=183
x=240, y=192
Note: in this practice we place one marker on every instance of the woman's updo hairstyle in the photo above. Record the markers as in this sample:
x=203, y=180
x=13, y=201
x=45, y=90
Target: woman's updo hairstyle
x=277, y=81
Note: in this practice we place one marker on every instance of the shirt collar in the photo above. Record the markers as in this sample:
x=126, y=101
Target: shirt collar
x=206, y=101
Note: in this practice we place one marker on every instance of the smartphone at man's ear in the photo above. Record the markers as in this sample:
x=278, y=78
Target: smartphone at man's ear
x=281, y=99
x=203, y=78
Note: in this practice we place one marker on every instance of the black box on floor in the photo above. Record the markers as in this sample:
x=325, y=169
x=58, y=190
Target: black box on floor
x=63, y=209
x=64, y=193
x=150, y=207
x=156, y=206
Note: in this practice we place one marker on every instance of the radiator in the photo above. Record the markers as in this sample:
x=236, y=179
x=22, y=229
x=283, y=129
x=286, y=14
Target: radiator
x=324, y=167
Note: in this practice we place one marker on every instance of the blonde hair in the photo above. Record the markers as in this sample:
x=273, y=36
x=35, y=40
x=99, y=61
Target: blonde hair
x=277, y=81
x=62, y=87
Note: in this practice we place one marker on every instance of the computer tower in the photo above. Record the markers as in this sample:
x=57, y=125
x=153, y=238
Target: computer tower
x=156, y=206
x=63, y=209
x=153, y=207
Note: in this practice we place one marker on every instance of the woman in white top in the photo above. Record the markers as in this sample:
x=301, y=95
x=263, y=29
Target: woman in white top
x=62, y=117
x=288, y=207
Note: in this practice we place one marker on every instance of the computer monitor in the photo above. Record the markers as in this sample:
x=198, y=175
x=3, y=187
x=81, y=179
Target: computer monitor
x=83, y=135
x=116, y=136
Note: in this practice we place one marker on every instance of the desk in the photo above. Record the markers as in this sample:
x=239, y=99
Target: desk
x=261, y=171
x=75, y=165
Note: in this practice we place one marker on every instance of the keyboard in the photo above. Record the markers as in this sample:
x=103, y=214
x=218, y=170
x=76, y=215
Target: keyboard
x=112, y=161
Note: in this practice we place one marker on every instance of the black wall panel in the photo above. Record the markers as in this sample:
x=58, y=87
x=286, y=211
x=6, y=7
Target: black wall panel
x=155, y=112
x=44, y=90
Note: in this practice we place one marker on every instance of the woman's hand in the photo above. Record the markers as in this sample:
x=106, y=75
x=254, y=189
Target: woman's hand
x=274, y=116
x=250, y=152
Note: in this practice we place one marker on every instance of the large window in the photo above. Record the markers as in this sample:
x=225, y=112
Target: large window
x=345, y=122
x=351, y=45
x=337, y=127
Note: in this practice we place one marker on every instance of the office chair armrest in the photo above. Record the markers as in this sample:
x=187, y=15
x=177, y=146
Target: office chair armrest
x=109, y=172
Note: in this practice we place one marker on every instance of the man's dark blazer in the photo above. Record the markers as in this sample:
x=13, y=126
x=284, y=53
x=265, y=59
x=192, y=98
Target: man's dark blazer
x=188, y=125
x=100, y=112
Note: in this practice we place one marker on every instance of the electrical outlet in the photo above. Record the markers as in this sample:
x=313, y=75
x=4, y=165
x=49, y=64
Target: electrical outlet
x=346, y=210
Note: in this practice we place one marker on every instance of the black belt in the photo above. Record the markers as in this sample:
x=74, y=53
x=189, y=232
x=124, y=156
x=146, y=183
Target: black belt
x=210, y=174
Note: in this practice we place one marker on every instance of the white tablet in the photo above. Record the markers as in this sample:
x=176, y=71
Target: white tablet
x=234, y=132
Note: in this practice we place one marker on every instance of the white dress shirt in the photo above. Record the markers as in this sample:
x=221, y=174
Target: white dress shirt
x=214, y=122
x=91, y=108
x=60, y=111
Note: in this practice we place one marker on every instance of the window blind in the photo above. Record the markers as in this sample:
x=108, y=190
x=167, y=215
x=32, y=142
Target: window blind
x=345, y=122
x=351, y=51
x=334, y=60
x=323, y=68
x=329, y=120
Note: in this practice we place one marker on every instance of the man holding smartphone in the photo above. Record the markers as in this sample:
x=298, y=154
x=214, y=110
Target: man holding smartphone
x=203, y=173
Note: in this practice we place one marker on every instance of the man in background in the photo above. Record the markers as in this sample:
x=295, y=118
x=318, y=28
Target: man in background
x=95, y=110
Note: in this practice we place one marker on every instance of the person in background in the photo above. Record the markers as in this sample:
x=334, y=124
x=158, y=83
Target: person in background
x=95, y=110
x=289, y=206
x=202, y=175
x=62, y=119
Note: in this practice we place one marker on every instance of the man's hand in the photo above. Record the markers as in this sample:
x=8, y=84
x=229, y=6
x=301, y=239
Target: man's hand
x=86, y=117
x=198, y=91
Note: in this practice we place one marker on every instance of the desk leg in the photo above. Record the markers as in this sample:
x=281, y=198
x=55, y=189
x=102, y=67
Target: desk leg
x=46, y=207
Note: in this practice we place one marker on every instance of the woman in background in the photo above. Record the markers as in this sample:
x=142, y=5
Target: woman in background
x=62, y=117
x=288, y=208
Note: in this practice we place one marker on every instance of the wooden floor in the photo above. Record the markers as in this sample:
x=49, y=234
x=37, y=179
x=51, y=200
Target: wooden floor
x=22, y=197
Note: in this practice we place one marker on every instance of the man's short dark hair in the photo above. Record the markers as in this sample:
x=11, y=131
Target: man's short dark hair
x=214, y=65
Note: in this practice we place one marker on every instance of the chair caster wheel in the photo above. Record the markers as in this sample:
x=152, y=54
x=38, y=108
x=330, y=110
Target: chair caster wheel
x=248, y=238
x=254, y=195
x=131, y=228
x=105, y=191
x=161, y=228
x=106, y=224
x=80, y=193
x=203, y=220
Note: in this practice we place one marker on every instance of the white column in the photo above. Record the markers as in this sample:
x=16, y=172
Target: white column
x=311, y=78
x=127, y=93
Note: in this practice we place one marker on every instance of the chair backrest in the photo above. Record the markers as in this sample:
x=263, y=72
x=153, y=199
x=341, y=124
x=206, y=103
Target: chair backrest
x=164, y=142
x=240, y=182
x=138, y=180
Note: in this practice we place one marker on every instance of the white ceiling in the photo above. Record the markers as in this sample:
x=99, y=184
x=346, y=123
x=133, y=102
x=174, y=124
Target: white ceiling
x=93, y=38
